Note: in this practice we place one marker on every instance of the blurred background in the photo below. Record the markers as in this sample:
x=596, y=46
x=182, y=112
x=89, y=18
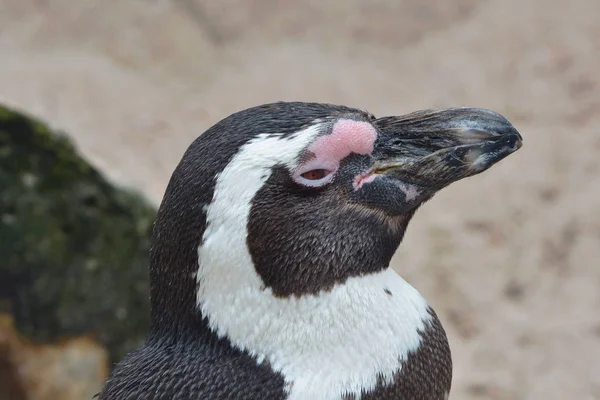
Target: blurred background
x=99, y=100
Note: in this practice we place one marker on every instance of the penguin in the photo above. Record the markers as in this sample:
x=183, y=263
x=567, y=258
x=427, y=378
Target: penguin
x=269, y=264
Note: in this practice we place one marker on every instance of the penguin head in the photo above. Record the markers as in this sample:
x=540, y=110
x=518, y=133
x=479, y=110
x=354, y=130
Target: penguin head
x=291, y=199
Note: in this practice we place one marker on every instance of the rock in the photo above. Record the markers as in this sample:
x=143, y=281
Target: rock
x=73, y=250
x=73, y=369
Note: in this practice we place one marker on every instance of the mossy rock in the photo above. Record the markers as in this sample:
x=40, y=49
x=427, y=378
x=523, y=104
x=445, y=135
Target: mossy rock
x=73, y=247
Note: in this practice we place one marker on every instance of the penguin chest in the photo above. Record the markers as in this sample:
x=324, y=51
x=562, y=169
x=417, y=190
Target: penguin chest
x=426, y=374
x=372, y=336
x=423, y=374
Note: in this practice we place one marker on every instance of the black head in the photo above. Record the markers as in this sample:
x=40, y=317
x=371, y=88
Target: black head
x=298, y=197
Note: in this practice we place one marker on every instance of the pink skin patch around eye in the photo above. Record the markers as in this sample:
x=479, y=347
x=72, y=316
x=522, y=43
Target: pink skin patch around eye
x=347, y=136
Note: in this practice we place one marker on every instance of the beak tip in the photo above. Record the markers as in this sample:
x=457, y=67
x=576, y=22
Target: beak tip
x=494, y=151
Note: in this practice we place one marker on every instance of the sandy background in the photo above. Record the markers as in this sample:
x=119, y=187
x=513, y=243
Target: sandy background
x=509, y=259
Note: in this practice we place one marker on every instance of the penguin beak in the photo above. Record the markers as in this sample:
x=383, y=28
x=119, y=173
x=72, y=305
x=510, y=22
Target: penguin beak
x=434, y=148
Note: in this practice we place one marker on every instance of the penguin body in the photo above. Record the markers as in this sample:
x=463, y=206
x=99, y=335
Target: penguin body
x=195, y=370
x=163, y=372
x=269, y=268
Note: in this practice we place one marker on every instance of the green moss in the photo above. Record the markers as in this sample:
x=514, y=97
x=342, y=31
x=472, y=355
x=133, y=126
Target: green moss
x=73, y=247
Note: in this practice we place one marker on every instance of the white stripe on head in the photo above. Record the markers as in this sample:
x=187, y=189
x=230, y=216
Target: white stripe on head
x=324, y=345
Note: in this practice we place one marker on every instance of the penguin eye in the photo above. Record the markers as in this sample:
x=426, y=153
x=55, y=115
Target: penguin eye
x=316, y=174
x=314, y=177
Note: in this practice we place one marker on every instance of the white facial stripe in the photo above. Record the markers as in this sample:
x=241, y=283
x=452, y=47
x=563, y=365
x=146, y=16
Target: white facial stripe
x=224, y=253
x=326, y=345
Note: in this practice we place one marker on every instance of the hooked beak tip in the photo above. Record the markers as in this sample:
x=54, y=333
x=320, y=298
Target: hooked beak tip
x=479, y=124
x=489, y=153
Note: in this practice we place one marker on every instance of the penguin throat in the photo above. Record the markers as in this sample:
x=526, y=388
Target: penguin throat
x=346, y=340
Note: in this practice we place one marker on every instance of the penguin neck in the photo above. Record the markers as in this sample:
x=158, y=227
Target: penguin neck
x=345, y=340
x=173, y=268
